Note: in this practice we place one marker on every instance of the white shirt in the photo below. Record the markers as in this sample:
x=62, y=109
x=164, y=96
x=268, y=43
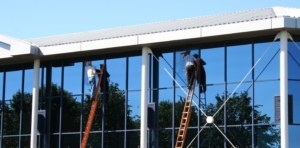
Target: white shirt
x=90, y=71
x=189, y=60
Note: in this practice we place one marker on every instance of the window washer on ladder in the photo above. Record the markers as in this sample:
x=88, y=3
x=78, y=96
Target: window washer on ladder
x=189, y=67
x=91, y=72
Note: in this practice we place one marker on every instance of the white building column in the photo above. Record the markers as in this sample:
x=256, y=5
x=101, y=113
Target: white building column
x=284, y=89
x=144, y=97
x=35, y=101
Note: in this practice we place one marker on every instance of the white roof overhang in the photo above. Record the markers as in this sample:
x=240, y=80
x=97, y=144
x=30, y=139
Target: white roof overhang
x=70, y=46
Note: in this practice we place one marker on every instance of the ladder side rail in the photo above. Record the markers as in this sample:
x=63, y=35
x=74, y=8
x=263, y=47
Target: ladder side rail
x=92, y=111
x=181, y=122
x=188, y=118
x=188, y=114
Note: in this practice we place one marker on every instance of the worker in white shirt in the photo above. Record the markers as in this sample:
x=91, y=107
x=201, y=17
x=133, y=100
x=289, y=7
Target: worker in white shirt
x=91, y=72
x=189, y=67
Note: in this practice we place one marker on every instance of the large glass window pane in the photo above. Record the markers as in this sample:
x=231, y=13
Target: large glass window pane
x=264, y=94
x=71, y=113
x=26, y=115
x=134, y=103
x=293, y=60
x=28, y=83
x=134, y=73
x=133, y=139
x=239, y=59
x=13, y=85
x=294, y=87
x=117, y=70
x=73, y=77
x=211, y=137
x=267, y=136
x=112, y=137
x=11, y=117
x=1, y=85
x=239, y=136
x=165, y=108
x=94, y=140
x=97, y=122
x=10, y=142
x=115, y=111
x=25, y=141
x=294, y=135
x=214, y=67
x=55, y=112
x=268, y=65
x=165, y=70
x=69, y=141
x=165, y=138
x=56, y=78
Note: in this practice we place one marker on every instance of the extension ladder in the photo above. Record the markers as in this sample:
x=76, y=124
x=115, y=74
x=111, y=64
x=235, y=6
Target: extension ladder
x=92, y=111
x=186, y=115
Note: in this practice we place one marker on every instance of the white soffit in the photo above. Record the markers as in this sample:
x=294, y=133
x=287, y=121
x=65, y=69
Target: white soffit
x=236, y=28
x=109, y=43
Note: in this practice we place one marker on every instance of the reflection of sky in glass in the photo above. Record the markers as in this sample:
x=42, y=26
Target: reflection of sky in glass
x=294, y=135
x=28, y=82
x=165, y=95
x=165, y=80
x=134, y=101
x=73, y=78
x=13, y=83
x=268, y=66
x=238, y=62
x=294, y=91
x=264, y=95
x=134, y=73
x=214, y=68
x=293, y=61
x=117, y=70
x=212, y=92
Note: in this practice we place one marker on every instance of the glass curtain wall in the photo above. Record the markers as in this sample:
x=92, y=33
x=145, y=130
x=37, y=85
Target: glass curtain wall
x=244, y=112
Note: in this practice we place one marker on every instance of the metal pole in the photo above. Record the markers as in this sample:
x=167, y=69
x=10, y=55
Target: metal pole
x=35, y=101
x=284, y=89
x=144, y=97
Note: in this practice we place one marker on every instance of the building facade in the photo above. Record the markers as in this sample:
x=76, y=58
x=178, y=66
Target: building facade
x=251, y=62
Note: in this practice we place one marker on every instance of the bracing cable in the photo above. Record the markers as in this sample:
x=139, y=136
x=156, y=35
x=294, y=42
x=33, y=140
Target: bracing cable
x=243, y=79
x=235, y=91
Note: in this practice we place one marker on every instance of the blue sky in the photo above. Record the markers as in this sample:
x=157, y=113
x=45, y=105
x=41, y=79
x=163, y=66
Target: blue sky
x=39, y=18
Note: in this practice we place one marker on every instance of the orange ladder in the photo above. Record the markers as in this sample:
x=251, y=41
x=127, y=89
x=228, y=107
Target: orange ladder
x=92, y=111
x=186, y=115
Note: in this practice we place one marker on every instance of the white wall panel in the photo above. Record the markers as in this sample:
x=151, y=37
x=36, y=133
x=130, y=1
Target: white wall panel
x=170, y=36
x=236, y=28
x=116, y=42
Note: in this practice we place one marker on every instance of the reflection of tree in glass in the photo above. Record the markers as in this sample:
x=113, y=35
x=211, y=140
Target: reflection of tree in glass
x=239, y=111
x=114, y=116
